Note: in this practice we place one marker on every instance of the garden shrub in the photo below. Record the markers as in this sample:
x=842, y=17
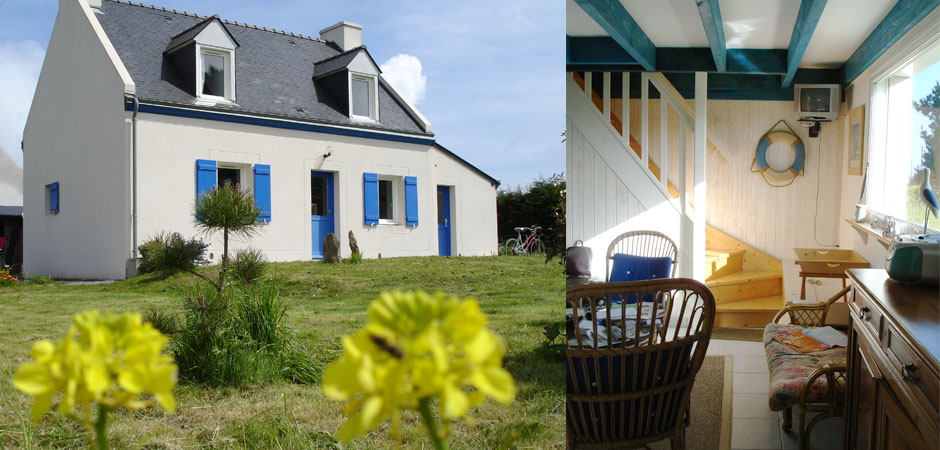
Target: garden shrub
x=354, y=258
x=238, y=337
x=249, y=265
x=165, y=322
x=170, y=252
x=7, y=279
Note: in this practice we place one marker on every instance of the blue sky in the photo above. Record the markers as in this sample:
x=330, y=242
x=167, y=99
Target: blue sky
x=493, y=70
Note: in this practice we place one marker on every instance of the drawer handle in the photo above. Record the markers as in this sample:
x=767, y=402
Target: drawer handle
x=909, y=373
x=865, y=313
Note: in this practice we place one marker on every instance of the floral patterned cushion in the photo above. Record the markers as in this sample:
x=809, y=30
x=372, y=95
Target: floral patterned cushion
x=789, y=368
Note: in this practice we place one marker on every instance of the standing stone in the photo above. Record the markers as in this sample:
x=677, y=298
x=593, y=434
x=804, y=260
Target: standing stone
x=353, y=244
x=331, y=249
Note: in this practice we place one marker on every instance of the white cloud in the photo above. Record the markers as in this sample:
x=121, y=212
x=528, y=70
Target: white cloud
x=20, y=63
x=404, y=72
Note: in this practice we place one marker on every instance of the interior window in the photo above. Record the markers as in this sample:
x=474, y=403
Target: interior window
x=361, y=95
x=386, y=200
x=906, y=137
x=213, y=74
x=229, y=176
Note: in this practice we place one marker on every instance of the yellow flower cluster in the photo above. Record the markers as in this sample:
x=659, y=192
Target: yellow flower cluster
x=417, y=346
x=106, y=359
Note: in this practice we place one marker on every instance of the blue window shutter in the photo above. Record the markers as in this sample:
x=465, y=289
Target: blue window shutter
x=54, y=197
x=411, y=201
x=205, y=176
x=263, y=191
x=370, y=198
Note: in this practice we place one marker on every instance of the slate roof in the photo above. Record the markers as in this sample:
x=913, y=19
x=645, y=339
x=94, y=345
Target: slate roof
x=14, y=211
x=273, y=69
x=191, y=33
x=339, y=61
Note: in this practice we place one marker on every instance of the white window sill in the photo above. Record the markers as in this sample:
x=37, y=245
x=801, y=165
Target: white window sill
x=388, y=222
x=211, y=100
x=363, y=119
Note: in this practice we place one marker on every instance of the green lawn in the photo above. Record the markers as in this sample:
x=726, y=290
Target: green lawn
x=520, y=295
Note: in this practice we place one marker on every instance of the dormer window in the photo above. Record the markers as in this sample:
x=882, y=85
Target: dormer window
x=204, y=57
x=215, y=74
x=362, y=101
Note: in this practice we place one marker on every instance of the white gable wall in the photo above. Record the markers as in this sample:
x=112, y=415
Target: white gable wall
x=213, y=35
x=80, y=138
x=473, y=206
x=362, y=64
x=168, y=148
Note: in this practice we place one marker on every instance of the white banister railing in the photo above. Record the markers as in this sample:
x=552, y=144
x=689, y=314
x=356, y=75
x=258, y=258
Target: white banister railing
x=674, y=186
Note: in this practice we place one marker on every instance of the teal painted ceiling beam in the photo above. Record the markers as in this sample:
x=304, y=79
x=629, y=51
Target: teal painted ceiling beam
x=806, y=21
x=615, y=20
x=898, y=21
x=714, y=29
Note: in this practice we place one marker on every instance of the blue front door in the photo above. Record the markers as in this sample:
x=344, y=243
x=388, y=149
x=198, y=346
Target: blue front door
x=443, y=220
x=321, y=209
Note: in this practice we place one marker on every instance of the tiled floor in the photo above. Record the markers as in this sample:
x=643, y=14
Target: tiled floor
x=754, y=425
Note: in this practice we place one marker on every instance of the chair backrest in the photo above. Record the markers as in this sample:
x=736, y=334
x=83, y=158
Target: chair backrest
x=643, y=243
x=628, y=376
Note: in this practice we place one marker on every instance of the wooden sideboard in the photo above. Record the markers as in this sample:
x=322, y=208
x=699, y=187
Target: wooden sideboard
x=893, y=399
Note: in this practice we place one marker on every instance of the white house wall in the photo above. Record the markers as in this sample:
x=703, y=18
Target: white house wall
x=169, y=146
x=473, y=206
x=78, y=137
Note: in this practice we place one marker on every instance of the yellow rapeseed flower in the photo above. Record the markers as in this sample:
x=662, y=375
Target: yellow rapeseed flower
x=106, y=359
x=417, y=346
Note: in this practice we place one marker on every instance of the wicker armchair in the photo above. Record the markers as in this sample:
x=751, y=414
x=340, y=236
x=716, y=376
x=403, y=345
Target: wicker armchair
x=629, y=377
x=642, y=243
x=814, y=396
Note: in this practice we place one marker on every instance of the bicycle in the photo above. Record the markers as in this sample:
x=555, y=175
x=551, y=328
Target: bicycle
x=531, y=244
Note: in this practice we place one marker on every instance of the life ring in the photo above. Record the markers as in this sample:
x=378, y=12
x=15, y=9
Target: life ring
x=761, y=165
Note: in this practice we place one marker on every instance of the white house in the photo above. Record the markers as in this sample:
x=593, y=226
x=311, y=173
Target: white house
x=139, y=108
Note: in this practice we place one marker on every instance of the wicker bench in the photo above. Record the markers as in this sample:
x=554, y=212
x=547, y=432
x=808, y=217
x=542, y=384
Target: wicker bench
x=813, y=382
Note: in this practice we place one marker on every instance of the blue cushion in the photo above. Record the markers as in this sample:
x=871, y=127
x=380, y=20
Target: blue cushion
x=636, y=268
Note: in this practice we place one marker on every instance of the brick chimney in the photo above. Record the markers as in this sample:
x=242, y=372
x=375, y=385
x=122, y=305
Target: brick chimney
x=346, y=35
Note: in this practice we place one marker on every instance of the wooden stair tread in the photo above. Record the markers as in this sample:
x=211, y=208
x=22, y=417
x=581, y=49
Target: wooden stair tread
x=716, y=254
x=744, y=276
x=769, y=304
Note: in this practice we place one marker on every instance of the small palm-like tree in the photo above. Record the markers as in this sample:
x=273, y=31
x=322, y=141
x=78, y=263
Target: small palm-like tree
x=230, y=210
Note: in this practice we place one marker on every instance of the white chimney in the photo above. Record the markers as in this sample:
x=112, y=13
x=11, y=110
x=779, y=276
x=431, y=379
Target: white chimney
x=346, y=35
x=96, y=4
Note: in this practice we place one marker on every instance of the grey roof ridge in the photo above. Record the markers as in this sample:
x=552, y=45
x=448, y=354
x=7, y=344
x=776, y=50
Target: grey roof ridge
x=224, y=21
x=368, y=127
x=493, y=181
x=341, y=54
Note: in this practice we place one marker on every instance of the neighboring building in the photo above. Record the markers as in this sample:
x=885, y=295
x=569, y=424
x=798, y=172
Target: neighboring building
x=11, y=181
x=307, y=125
x=11, y=230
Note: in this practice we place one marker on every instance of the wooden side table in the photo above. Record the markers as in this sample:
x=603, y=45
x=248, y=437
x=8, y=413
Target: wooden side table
x=825, y=263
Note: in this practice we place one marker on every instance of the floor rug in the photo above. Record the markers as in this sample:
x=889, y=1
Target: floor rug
x=710, y=428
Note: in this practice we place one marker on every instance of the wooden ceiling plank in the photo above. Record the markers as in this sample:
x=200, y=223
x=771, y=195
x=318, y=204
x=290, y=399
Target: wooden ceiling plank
x=714, y=29
x=806, y=21
x=614, y=19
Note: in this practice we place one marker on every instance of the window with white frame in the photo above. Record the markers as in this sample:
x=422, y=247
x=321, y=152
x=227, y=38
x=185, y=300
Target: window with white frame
x=389, y=199
x=905, y=137
x=215, y=74
x=362, y=98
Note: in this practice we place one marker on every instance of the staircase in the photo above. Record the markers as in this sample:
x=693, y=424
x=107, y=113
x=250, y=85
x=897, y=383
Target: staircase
x=746, y=282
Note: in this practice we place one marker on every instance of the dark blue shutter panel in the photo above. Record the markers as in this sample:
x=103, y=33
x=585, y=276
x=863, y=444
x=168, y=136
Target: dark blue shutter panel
x=263, y=191
x=54, y=197
x=411, y=201
x=370, y=198
x=205, y=176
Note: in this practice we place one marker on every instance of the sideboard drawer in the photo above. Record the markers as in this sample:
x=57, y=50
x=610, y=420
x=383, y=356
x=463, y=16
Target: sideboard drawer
x=915, y=373
x=866, y=313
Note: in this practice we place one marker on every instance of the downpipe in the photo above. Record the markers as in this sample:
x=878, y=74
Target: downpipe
x=133, y=98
